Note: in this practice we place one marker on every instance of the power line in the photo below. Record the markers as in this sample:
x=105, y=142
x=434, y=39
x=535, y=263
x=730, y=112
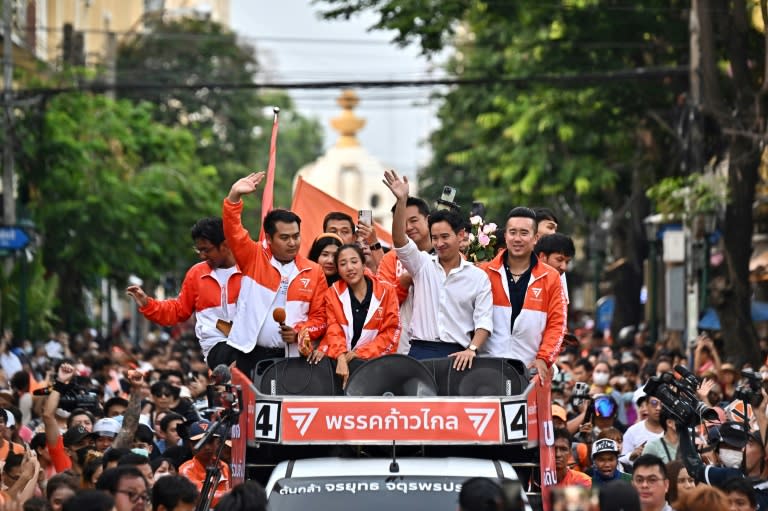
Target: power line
x=564, y=80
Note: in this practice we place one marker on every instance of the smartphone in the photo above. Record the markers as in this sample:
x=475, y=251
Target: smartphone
x=365, y=216
x=449, y=194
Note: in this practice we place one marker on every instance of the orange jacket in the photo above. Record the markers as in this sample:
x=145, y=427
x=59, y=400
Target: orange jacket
x=381, y=331
x=202, y=294
x=195, y=472
x=304, y=307
x=541, y=324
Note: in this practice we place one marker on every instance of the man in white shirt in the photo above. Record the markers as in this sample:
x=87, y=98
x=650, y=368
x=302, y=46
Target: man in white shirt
x=452, y=297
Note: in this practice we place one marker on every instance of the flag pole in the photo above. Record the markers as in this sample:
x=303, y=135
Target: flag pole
x=267, y=197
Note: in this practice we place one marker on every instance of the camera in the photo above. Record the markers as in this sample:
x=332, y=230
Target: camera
x=446, y=200
x=750, y=391
x=77, y=394
x=678, y=397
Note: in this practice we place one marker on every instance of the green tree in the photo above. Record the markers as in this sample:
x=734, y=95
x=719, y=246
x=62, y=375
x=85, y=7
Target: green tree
x=230, y=119
x=577, y=145
x=596, y=143
x=112, y=192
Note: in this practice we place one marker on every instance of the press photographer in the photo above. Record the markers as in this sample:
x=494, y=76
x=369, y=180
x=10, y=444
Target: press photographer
x=680, y=399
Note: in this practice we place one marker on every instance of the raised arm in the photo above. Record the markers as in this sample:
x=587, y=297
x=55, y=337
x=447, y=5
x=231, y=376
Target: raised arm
x=124, y=439
x=399, y=188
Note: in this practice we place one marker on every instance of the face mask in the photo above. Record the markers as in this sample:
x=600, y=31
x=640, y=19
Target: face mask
x=730, y=458
x=140, y=451
x=600, y=378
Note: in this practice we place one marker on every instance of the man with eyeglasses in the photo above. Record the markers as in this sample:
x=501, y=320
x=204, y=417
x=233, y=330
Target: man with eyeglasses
x=128, y=487
x=642, y=432
x=649, y=477
x=210, y=290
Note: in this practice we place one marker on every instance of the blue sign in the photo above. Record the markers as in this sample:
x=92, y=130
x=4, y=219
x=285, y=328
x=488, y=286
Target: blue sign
x=13, y=238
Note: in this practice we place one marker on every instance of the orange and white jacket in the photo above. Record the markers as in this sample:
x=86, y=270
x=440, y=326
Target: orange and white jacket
x=304, y=306
x=381, y=330
x=540, y=326
x=201, y=294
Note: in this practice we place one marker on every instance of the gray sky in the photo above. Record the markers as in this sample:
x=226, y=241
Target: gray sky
x=294, y=44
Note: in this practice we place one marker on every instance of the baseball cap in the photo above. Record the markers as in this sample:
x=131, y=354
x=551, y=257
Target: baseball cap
x=76, y=435
x=198, y=429
x=10, y=421
x=639, y=396
x=734, y=434
x=604, y=445
x=106, y=427
x=559, y=412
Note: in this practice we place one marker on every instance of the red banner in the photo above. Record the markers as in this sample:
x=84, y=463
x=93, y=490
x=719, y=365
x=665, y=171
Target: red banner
x=546, y=437
x=475, y=421
x=243, y=430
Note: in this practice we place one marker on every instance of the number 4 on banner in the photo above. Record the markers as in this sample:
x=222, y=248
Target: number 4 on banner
x=267, y=421
x=515, y=421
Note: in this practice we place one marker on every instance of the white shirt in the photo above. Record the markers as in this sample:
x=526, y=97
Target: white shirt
x=450, y=307
x=269, y=335
x=636, y=435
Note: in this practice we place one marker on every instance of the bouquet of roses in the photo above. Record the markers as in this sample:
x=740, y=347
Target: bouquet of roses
x=482, y=240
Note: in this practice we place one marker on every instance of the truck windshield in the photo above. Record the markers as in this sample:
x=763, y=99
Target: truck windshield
x=373, y=493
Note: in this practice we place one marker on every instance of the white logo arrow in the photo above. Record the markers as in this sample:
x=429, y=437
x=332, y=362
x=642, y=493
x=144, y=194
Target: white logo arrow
x=302, y=417
x=480, y=418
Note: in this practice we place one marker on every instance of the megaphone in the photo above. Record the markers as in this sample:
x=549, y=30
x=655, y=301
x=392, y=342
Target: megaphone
x=391, y=375
x=294, y=377
x=488, y=377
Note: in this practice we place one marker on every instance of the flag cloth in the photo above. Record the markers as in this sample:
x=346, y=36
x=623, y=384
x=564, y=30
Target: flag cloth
x=312, y=204
x=268, y=195
x=541, y=433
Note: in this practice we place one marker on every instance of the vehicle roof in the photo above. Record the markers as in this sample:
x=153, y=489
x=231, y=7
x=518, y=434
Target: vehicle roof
x=440, y=467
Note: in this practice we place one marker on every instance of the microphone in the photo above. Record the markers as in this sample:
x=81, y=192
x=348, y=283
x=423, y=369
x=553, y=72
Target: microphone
x=221, y=375
x=279, y=315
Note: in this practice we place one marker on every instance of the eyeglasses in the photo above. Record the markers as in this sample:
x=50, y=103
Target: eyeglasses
x=654, y=402
x=203, y=250
x=650, y=480
x=604, y=407
x=133, y=496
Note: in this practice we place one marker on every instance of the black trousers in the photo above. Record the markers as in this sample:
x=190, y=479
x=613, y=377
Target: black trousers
x=225, y=354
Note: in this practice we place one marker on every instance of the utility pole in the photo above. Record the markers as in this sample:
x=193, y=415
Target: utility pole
x=9, y=201
x=694, y=163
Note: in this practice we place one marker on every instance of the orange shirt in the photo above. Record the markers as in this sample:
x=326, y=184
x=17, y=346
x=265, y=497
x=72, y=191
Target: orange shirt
x=195, y=472
x=17, y=449
x=59, y=458
x=575, y=478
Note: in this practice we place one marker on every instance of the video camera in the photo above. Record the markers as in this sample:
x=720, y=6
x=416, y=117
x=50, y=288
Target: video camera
x=751, y=391
x=77, y=394
x=678, y=396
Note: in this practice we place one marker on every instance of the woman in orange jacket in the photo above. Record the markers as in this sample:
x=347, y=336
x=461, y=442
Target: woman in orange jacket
x=363, y=315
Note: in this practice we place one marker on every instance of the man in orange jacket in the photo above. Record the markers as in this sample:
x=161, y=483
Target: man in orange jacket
x=210, y=290
x=275, y=276
x=529, y=308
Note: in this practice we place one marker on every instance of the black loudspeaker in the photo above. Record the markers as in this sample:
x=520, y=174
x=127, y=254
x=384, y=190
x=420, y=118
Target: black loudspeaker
x=295, y=377
x=392, y=375
x=488, y=377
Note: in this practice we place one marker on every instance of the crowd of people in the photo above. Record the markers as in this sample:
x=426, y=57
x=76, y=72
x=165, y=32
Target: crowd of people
x=101, y=423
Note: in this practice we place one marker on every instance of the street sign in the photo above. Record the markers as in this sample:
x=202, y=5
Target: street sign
x=13, y=238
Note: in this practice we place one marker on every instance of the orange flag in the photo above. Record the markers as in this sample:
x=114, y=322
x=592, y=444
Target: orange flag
x=268, y=196
x=312, y=204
